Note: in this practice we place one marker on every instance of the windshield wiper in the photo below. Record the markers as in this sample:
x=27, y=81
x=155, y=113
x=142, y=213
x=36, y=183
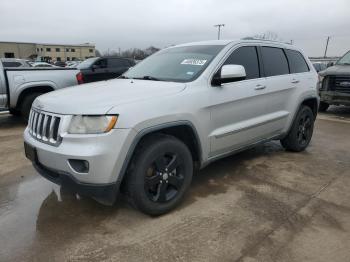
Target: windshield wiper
x=148, y=78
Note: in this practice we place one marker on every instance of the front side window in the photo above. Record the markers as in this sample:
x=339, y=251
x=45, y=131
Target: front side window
x=248, y=58
x=177, y=64
x=275, y=61
x=115, y=62
x=296, y=61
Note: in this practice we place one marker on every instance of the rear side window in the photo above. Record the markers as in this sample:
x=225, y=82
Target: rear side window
x=11, y=64
x=296, y=61
x=248, y=58
x=275, y=61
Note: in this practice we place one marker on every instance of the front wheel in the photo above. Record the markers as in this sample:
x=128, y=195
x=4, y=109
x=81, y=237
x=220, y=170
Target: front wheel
x=301, y=131
x=160, y=174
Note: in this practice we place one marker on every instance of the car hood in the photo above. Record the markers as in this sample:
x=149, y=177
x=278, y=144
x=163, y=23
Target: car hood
x=100, y=97
x=336, y=70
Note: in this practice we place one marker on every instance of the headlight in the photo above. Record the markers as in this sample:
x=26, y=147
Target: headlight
x=91, y=124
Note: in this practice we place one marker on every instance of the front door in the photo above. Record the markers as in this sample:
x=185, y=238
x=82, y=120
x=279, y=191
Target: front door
x=243, y=112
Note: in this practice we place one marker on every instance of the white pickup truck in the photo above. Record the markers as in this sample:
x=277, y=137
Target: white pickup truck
x=20, y=86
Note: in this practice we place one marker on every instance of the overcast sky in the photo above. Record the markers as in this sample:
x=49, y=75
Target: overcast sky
x=141, y=23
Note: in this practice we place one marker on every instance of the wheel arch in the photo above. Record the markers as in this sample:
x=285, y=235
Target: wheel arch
x=32, y=89
x=185, y=131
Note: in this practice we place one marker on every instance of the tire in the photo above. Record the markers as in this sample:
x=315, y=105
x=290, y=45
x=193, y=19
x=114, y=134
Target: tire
x=323, y=107
x=15, y=112
x=159, y=175
x=301, y=131
x=27, y=105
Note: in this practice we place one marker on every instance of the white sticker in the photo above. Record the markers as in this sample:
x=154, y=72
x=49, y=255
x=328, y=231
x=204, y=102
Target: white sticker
x=192, y=61
x=190, y=73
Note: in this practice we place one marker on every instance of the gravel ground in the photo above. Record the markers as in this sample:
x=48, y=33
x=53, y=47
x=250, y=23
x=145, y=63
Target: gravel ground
x=263, y=204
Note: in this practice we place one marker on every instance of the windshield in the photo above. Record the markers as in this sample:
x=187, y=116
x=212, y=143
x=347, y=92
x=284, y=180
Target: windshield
x=177, y=64
x=86, y=64
x=345, y=60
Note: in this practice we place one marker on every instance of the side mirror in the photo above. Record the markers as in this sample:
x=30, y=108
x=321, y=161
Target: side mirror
x=229, y=73
x=330, y=64
x=95, y=67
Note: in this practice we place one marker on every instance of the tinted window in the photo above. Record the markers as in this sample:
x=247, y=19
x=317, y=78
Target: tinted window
x=11, y=64
x=296, y=61
x=118, y=63
x=275, y=61
x=102, y=63
x=247, y=57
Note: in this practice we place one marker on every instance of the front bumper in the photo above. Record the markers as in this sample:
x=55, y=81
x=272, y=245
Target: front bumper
x=105, y=154
x=105, y=194
x=334, y=97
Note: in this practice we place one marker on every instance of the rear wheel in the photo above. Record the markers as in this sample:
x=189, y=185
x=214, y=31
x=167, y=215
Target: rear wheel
x=27, y=104
x=300, y=134
x=323, y=107
x=160, y=174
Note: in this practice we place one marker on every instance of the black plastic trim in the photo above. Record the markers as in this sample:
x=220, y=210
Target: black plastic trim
x=105, y=193
x=149, y=130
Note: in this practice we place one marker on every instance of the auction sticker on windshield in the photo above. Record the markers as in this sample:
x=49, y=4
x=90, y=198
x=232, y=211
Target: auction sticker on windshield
x=198, y=62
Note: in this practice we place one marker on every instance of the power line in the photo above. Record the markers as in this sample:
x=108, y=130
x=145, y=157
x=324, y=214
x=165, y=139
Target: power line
x=219, y=29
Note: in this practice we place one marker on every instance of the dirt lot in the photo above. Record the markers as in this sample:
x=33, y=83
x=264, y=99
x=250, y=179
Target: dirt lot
x=264, y=204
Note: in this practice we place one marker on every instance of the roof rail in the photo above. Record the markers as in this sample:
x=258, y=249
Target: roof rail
x=267, y=40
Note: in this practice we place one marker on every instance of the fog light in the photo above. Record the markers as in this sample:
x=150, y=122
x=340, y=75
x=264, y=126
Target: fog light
x=79, y=166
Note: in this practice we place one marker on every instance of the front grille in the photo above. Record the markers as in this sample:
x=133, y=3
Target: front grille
x=44, y=127
x=338, y=84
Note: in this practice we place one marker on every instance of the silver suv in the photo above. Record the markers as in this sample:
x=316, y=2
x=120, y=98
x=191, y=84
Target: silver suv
x=181, y=108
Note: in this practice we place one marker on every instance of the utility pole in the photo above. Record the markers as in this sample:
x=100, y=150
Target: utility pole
x=219, y=29
x=325, y=51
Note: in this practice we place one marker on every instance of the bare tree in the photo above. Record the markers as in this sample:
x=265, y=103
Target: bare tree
x=268, y=35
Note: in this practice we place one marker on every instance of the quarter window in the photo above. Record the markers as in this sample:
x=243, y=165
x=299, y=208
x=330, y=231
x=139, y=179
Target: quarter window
x=296, y=61
x=248, y=58
x=275, y=61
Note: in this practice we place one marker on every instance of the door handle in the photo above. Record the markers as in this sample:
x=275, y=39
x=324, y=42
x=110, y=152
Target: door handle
x=259, y=87
x=294, y=81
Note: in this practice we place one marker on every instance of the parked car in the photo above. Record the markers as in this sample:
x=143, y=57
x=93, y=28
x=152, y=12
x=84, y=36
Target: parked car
x=14, y=62
x=19, y=86
x=180, y=108
x=73, y=64
x=60, y=64
x=104, y=68
x=334, y=84
x=43, y=64
x=319, y=66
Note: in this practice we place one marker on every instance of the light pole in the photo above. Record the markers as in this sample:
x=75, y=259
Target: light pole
x=219, y=29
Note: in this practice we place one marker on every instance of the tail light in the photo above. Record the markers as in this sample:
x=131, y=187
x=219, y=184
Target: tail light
x=80, y=78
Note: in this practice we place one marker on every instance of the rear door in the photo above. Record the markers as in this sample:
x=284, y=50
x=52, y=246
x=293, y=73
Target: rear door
x=281, y=84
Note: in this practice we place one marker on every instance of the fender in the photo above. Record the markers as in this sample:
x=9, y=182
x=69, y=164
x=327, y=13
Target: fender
x=18, y=90
x=149, y=130
x=302, y=100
